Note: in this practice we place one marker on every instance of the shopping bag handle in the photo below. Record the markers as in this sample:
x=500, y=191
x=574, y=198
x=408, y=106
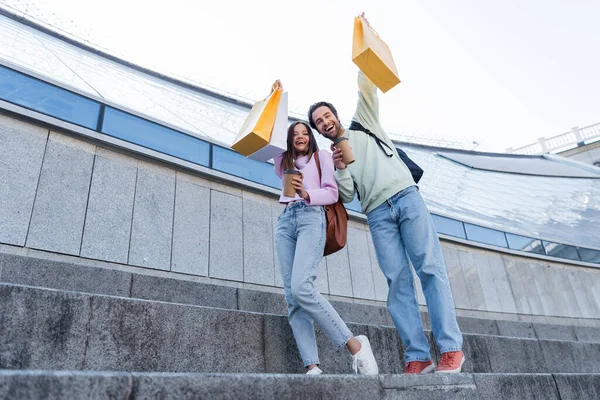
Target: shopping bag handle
x=273, y=92
x=369, y=25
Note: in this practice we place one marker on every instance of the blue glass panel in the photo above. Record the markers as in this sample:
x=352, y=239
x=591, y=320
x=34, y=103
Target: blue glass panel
x=589, y=255
x=154, y=136
x=448, y=226
x=524, y=243
x=233, y=163
x=561, y=250
x=48, y=99
x=485, y=235
x=354, y=205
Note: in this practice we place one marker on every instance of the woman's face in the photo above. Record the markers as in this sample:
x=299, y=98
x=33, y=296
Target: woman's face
x=301, y=139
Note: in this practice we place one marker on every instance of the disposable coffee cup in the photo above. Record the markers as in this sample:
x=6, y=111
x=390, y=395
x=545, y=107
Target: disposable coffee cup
x=343, y=144
x=288, y=188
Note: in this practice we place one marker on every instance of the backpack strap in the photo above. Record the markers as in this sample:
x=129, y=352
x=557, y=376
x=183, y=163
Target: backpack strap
x=415, y=170
x=356, y=126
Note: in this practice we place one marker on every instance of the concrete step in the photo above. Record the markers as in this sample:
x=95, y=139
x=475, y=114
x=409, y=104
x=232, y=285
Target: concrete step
x=26, y=385
x=57, y=330
x=72, y=276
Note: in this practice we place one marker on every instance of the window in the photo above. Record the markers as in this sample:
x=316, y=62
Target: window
x=230, y=162
x=449, y=226
x=524, y=243
x=485, y=235
x=561, y=250
x=154, y=136
x=48, y=99
x=589, y=255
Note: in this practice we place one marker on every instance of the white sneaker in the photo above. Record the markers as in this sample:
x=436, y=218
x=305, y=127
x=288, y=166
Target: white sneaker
x=363, y=362
x=314, y=371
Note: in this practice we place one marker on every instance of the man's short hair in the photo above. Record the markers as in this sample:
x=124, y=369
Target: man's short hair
x=312, y=109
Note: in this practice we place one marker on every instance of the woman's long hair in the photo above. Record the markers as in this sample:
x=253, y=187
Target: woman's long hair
x=289, y=157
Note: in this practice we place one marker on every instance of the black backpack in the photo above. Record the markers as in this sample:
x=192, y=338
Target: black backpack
x=415, y=170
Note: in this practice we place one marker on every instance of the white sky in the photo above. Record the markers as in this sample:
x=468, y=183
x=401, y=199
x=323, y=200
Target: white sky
x=503, y=73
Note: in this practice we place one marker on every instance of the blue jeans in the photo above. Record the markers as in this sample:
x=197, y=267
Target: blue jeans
x=402, y=228
x=299, y=241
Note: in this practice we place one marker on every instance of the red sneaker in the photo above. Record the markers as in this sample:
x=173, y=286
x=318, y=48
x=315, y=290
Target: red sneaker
x=451, y=362
x=419, y=367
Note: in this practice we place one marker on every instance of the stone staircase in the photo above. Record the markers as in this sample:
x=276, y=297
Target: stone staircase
x=73, y=331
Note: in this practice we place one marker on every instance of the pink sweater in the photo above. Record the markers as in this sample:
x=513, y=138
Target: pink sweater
x=320, y=193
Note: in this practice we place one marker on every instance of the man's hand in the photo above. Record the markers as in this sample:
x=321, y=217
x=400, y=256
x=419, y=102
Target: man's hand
x=297, y=184
x=337, y=158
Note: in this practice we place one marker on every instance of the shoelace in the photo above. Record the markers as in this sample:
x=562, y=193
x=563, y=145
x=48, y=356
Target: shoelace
x=412, y=367
x=356, y=363
x=447, y=359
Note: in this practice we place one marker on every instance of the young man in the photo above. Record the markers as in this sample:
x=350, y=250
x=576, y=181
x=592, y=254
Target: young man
x=401, y=227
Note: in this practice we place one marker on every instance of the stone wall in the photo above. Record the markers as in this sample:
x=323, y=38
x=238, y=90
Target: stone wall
x=62, y=194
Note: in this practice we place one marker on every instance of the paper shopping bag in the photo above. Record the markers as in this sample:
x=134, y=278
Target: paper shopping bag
x=373, y=56
x=256, y=130
x=278, y=142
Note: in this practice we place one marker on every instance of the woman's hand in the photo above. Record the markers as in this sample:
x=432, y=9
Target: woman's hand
x=362, y=15
x=297, y=184
x=276, y=86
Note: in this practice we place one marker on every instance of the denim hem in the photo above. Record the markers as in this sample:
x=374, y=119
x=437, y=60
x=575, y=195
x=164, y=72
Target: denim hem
x=307, y=363
x=346, y=340
x=417, y=359
x=451, y=349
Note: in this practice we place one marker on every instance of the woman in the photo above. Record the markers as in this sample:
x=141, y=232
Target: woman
x=300, y=241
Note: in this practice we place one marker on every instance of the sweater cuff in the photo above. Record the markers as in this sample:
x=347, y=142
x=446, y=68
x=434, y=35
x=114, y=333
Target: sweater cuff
x=342, y=174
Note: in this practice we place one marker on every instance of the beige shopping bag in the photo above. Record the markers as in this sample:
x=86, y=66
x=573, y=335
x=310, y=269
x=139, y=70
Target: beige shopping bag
x=373, y=56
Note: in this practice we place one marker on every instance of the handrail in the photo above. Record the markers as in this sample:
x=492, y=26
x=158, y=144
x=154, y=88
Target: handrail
x=575, y=137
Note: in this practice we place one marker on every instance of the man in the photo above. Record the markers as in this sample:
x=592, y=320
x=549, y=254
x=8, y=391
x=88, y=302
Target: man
x=401, y=227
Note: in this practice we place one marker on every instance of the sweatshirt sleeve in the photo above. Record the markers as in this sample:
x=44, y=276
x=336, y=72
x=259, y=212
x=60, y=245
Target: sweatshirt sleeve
x=367, y=106
x=328, y=193
x=367, y=110
x=345, y=185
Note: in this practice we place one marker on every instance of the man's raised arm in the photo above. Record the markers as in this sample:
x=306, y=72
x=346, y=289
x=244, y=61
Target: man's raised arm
x=367, y=106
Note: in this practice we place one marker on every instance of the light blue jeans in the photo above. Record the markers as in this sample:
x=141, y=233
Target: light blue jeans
x=402, y=228
x=299, y=242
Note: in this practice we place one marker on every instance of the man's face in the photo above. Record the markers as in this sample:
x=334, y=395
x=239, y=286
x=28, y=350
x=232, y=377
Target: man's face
x=327, y=124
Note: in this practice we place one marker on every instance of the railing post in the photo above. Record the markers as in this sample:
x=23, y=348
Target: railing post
x=578, y=137
x=542, y=142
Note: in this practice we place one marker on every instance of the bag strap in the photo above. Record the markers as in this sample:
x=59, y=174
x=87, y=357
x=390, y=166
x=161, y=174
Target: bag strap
x=318, y=162
x=356, y=126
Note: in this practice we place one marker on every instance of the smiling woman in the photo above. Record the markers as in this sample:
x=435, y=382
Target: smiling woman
x=300, y=242
x=300, y=141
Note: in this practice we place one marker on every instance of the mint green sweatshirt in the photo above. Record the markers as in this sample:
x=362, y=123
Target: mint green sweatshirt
x=376, y=175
